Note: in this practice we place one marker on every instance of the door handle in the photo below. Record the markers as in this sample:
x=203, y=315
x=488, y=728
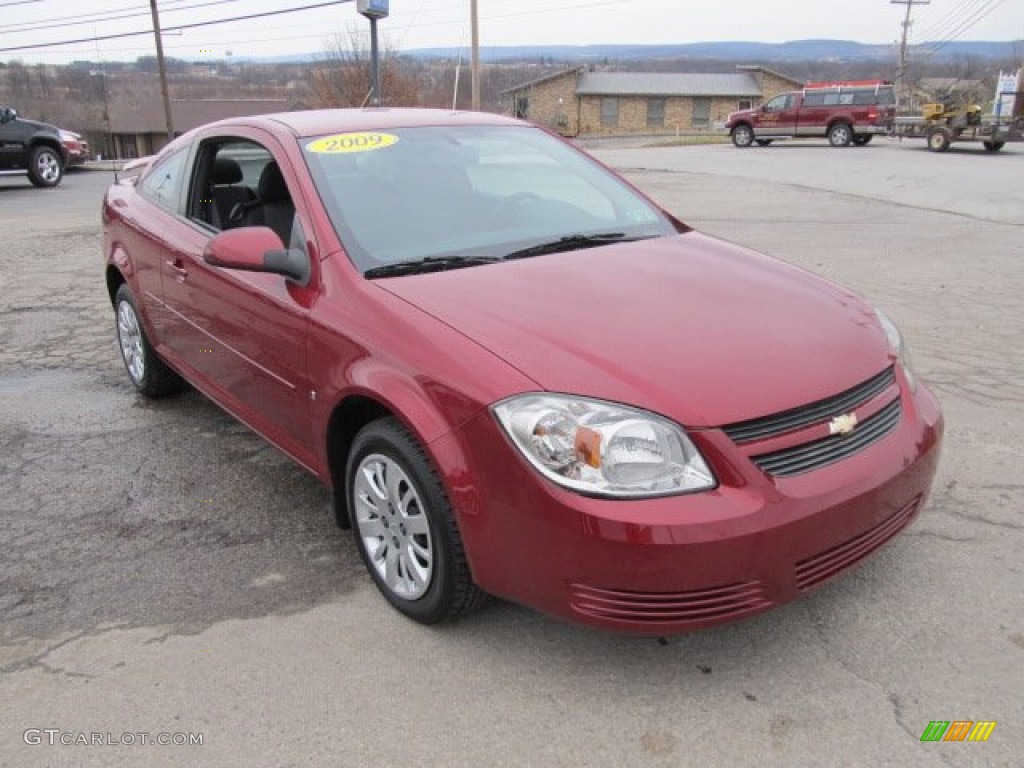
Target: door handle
x=178, y=267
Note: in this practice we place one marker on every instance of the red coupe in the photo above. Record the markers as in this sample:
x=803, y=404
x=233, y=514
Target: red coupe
x=519, y=375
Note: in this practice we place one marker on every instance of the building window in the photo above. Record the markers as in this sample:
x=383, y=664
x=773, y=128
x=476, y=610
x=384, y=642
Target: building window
x=655, y=113
x=522, y=107
x=701, y=112
x=745, y=104
x=610, y=113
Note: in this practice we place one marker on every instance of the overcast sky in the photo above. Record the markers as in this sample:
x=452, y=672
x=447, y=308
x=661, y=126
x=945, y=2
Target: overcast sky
x=428, y=23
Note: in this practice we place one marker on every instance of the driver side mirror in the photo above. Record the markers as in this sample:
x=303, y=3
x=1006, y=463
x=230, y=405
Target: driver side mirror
x=257, y=249
x=7, y=114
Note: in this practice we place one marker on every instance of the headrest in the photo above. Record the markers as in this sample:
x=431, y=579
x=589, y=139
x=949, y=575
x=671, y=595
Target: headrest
x=272, y=187
x=226, y=170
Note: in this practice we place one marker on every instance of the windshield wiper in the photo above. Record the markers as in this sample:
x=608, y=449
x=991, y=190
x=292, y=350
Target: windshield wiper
x=573, y=243
x=427, y=264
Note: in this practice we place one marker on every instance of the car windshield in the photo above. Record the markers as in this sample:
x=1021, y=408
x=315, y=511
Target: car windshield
x=417, y=194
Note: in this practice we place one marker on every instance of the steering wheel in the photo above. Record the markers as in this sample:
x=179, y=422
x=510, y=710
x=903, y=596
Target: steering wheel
x=505, y=210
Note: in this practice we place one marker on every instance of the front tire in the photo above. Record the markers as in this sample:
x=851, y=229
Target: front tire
x=939, y=138
x=993, y=146
x=840, y=135
x=149, y=374
x=45, y=168
x=405, y=528
x=742, y=135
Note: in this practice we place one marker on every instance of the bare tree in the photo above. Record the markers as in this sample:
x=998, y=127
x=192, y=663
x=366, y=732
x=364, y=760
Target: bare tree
x=342, y=77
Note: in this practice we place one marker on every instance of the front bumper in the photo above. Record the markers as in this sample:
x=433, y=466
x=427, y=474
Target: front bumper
x=658, y=566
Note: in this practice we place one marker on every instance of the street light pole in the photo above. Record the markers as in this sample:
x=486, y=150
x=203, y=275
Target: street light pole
x=374, y=10
x=374, y=63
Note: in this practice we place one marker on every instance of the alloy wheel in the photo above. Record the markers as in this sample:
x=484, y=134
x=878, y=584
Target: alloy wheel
x=392, y=523
x=129, y=335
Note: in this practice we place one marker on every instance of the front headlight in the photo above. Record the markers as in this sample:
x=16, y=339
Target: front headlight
x=602, y=448
x=899, y=348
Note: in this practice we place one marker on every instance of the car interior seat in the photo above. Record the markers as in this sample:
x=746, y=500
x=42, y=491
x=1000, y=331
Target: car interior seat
x=275, y=208
x=227, y=192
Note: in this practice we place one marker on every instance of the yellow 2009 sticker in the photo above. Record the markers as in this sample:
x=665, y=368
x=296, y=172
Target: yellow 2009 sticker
x=351, y=142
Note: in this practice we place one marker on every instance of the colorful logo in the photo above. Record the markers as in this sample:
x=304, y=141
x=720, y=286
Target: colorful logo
x=958, y=730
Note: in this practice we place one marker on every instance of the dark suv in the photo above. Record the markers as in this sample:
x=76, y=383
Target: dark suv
x=32, y=147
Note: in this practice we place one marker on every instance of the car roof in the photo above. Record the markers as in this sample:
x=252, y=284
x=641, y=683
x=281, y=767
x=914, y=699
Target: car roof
x=322, y=121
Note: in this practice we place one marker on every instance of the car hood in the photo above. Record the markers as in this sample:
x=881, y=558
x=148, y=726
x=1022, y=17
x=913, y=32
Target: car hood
x=700, y=330
x=38, y=126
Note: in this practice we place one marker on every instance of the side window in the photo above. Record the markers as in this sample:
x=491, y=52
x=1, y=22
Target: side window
x=775, y=105
x=162, y=185
x=226, y=193
x=700, y=114
x=609, y=112
x=655, y=113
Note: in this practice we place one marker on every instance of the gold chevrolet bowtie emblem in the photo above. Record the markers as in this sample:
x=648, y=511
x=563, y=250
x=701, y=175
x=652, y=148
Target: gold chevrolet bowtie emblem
x=842, y=425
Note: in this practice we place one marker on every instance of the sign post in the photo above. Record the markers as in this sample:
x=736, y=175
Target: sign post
x=1008, y=86
x=374, y=10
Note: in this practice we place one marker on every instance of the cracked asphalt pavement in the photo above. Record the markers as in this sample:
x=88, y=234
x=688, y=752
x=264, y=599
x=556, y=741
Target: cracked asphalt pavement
x=163, y=570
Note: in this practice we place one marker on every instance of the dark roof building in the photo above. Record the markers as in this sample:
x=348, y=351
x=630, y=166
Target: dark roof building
x=138, y=126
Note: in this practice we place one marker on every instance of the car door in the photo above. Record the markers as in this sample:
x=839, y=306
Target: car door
x=14, y=136
x=777, y=117
x=153, y=232
x=242, y=336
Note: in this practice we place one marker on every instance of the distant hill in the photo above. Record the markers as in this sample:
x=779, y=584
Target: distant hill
x=796, y=50
x=735, y=51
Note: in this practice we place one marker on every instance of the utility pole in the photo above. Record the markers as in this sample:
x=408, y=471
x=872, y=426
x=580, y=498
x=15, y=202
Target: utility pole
x=902, y=91
x=163, y=69
x=474, y=23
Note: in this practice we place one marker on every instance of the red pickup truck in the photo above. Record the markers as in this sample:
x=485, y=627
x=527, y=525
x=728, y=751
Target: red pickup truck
x=849, y=112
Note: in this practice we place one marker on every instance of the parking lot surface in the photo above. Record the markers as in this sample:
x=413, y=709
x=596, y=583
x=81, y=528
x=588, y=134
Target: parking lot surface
x=164, y=571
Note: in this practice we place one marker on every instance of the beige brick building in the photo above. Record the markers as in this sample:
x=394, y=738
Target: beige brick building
x=578, y=101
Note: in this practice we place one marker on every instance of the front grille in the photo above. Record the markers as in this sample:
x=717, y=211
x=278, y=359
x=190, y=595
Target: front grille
x=805, y=415
x=696, y=605
x=828, y=450
x=813, y=570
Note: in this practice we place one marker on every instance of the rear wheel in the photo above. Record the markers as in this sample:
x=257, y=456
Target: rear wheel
x=840, y=135
x=148, y=372
x=405, y=528
x=862, y=139
x=45, y=168
x=939, y=138
x=742, y=135
x=993, y=146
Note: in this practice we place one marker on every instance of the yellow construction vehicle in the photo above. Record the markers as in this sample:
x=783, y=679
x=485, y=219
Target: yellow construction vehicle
x=943, y=122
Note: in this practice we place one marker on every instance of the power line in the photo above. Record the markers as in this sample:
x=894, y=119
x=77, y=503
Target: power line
x=94, y=18
x=951, y=19
x=935, y=46
x=57, y=43
x=96, y=15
